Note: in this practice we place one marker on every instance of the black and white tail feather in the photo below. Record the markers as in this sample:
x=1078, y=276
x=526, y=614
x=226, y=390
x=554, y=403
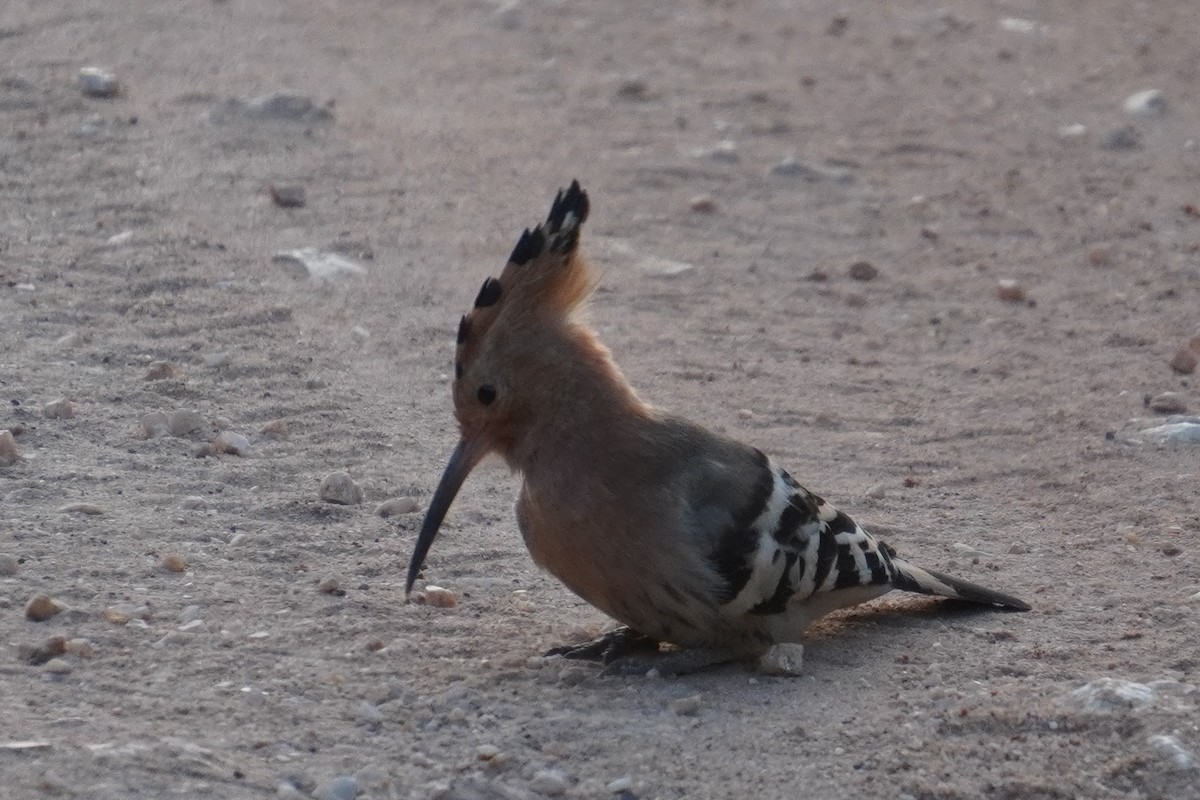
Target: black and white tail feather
x=805, y=558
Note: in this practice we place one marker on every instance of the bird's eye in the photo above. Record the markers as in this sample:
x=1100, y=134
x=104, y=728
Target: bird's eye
x=487, y=394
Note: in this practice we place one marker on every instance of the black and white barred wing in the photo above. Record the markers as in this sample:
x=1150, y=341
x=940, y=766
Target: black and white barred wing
x=807, y=553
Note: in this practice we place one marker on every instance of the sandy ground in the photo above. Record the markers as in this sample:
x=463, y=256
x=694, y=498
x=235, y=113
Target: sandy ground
x=979, y=436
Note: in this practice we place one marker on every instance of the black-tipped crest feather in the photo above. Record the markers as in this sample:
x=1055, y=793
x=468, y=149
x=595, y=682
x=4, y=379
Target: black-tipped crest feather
x=489, y=293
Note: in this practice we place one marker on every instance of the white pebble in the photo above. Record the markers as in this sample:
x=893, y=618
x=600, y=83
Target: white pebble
x=1173, y=752
x=397, y=506
x=686, y=706
x=340, y=488
x=1174, y=433
x=785, y=659
x=549, y=782
x=438, y=597
x=621, y=784
x=1146, y=103
x=195, y=626
x=190, y=614
x=877, y=492
x=318, y=266
x=95, y=82
x=724, y=151
x=1075, y=131
x=119, y=238
x=59, y=409
x=58, y=666
x=1113, y=694
x=234, y=444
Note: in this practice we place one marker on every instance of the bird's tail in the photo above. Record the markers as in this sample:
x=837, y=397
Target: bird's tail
x=912, y=578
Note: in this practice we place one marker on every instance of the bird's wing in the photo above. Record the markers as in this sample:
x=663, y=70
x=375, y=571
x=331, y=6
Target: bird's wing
x=787, y=544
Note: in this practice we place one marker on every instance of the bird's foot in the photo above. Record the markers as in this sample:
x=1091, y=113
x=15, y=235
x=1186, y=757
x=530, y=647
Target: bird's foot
x=607, y=647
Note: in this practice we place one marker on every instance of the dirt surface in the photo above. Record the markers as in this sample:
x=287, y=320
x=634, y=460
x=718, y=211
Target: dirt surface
x=930, y=140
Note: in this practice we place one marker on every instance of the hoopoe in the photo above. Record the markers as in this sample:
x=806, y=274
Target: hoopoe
x=685, y=536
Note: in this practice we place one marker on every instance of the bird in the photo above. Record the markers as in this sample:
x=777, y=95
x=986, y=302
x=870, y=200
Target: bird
x=683, y=535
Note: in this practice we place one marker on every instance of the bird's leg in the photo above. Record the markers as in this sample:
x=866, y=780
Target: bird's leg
x=607, y=647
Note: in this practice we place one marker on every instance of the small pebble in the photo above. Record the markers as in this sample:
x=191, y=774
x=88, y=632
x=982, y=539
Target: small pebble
x=234, y=444
x=317, y=265
x=785, y=659
x=686, y=706
x=8, y=565
x=703, y=204
x=155, y=424
x=288, y=196
x=58, y=666
x=95, y=82
x=620, y=785
x=863, y=271
x=1075, y=131
x=162, y=371
x=119, y=238
x=792, y=167
x=1168, y=403
x=1112, y=694
x=549, y=782
x=439, y=597
x=59, y=409
x=330, y=585
x=397, y=506
x=42, y=607
x=181, y=423
x=877, y=492
x=487, y=752
x=633, y=87
x=343, y=787
x=9, y=454
x=190, y=613
x=1184, y=361
x=90, y=509
x=174, y=562
x=1010, y=291
x=1146, y=103
x=340, y=488
x=195, y=626
x=81, y=648
x=275, y=429
x=724, y=151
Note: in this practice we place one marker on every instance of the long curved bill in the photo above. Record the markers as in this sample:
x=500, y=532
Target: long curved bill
x=464, y=458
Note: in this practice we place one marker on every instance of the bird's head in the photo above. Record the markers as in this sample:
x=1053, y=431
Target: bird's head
x=504, y=345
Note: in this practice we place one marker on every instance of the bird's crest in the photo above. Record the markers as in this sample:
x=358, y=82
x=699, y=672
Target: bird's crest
x=544, y=275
